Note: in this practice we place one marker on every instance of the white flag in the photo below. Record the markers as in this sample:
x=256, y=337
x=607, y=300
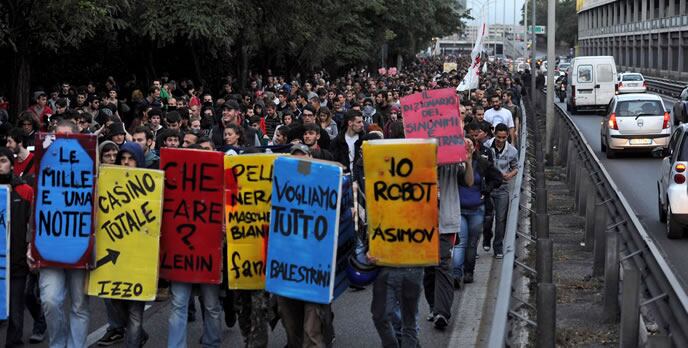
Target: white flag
x=470, y=81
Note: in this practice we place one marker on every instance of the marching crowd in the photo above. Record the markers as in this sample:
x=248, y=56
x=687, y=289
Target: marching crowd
x=320, y=117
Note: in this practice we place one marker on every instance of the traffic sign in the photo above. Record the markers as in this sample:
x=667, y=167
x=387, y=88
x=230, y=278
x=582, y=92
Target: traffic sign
x=539, y=29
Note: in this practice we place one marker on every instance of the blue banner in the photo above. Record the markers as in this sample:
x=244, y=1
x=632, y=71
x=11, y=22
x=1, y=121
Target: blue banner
x=304, y=229
x=64, y=202
x=4, y=251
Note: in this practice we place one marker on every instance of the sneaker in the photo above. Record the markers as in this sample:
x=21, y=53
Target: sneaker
x=468, y=278
x=441, y=322
x=37, y=337
x=457, y=283
x=486, y=247
x=144, y=339
x=499, y=256
x=430, y=317
x=111, y=337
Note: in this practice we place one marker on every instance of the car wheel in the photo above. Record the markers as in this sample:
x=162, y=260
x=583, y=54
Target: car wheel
x=662, y=211
x=603, y=147
x=674, y=228
x=611, y=153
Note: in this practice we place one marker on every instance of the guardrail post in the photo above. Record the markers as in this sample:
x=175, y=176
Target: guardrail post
x=578, y=186
x=630, y=307
x=583, y=193
x=543, y=260
x=599, y=248
x=590, y=219
x=546, y=315
x=611, y=276
x=573, y=172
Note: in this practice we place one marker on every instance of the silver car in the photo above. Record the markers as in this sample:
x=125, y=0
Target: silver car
x=672, y=199
x=635, y=122
x=631, y=83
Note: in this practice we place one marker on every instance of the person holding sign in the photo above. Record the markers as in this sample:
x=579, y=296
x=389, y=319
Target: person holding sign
x=57, y=283
x=21, y=199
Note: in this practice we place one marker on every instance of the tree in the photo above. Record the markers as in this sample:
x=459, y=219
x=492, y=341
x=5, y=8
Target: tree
x=31, y=28
x=566, y=18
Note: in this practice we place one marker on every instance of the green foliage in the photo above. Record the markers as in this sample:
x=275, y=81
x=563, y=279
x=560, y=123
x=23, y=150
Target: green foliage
x=566, y=18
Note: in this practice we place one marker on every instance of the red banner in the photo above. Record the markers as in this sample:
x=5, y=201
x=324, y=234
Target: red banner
x=435, y=114
x=191, y=239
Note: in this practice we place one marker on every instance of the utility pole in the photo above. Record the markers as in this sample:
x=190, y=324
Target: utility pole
x=525, y=28
x=551, y=62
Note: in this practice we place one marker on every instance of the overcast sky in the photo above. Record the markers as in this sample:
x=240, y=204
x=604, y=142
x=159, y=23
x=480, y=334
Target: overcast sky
x=496, y=7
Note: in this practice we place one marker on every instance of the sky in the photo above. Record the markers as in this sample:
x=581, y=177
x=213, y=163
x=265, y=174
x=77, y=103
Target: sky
x=500, y=17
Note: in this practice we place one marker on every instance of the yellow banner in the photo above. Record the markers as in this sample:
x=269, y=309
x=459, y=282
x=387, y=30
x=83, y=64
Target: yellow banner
x=248, y=191
x=401, y=201
x=449, y=67
x=128, y=219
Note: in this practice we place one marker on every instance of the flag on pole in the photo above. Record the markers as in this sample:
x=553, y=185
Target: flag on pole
x=470, y=81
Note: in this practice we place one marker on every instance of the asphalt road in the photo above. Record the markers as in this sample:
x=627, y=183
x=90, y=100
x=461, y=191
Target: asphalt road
x=353, y=323
x=636, y=176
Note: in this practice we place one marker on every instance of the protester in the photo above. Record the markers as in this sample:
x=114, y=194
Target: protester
x=21, y=200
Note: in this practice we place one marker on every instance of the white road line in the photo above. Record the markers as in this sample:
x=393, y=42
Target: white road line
x=94, y=336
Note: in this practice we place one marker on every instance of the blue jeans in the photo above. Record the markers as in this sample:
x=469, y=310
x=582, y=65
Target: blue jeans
x=212, y=329
x=54, y=284
x=463, y=258
x=396, y=293
x=130, y=312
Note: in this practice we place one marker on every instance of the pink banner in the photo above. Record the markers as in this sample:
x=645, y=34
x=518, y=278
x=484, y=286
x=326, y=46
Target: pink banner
x=435, y=114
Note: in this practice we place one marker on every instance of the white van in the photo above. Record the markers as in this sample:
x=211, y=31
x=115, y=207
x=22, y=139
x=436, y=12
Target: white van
x=592, y=82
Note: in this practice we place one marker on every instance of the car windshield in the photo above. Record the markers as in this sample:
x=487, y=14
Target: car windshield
x=633, y=108
x=634, y=77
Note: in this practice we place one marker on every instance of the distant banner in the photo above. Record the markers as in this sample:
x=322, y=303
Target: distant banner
x=435, y=114
x=191, y=239
x=4, y=252
x=449, y=67
x=304, y=228
x=63, y=221
x=248, y=194
x=128, y=218
x=401, y=201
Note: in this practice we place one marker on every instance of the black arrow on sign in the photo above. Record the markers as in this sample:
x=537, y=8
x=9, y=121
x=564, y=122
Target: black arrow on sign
x=111, y=256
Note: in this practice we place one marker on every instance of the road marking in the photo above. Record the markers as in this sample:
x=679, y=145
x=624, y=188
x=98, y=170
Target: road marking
x=94, y=336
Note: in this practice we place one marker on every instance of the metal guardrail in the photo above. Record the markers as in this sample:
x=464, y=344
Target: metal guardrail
x=620, y=239
x=666, y=87
x=499, y=327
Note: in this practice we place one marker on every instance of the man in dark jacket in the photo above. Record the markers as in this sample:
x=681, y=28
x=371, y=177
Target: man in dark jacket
x=21, y=199
x=344, y=147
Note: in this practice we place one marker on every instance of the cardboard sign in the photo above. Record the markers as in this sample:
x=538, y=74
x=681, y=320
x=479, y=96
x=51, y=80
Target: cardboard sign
x=63, y=219
x=191, y=239
x=449, y=67
x=401, y=201
x=128, y=220
x=4, y=252
x=435, y=114
x=248, y=194
x=304, y=228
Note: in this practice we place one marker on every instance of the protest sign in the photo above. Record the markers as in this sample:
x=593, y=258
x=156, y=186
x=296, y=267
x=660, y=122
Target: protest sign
x=304, y=228
x=435, y=114
x=128, y=220
x=401, y=192
x=191, y=238
x=248, y=191
x=4, y=252
x=63, y=219
x=448, y=67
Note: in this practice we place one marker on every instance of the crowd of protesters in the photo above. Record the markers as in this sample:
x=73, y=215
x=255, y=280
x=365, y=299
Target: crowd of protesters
x=319, y=117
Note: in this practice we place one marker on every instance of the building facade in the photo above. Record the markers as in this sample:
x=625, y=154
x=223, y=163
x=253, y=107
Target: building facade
x=647, y=36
